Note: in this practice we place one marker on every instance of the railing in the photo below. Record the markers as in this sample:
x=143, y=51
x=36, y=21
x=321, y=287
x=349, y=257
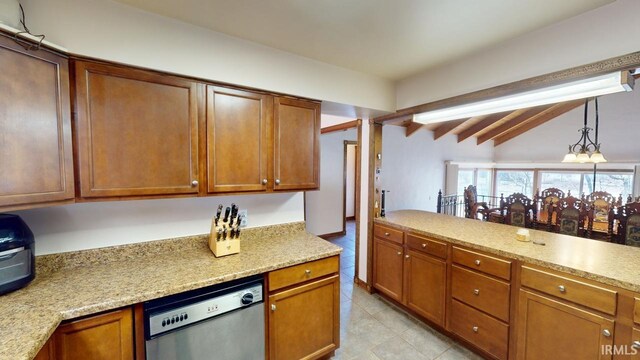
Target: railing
x=454, y=205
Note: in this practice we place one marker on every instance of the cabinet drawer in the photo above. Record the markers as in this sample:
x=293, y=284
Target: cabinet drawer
x=575, y=291
x=300, y=273
x=387, y=233
x=487, y=264
x=636, y=312
x=481, y=292
x=482, y=330
x=427, y=246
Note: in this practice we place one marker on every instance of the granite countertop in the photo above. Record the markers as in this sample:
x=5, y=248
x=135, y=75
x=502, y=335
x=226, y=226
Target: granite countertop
x=68, y=286
x=612, y=264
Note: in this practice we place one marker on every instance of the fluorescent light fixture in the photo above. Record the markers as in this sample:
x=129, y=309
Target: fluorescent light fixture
x=581, y=89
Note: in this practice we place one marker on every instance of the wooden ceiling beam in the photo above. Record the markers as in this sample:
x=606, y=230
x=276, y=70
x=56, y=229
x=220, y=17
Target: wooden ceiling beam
x=538, y=119
x=513, y=123
x=446, y=127
x=481, y=125
x=341, y=127
x=412, y=128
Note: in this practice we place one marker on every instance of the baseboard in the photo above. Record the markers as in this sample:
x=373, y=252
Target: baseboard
x=363, y=285
x=332, y=235
x=349, y=218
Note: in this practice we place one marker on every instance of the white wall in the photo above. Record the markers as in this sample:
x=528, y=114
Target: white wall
x=609, y=31
x=93, y=225
x=350, y=198
x=113, y=31
x=324, y=207
x=413, y=168
x=619, y=129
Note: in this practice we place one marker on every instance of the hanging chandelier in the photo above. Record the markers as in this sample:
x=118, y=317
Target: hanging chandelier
x=586, y=150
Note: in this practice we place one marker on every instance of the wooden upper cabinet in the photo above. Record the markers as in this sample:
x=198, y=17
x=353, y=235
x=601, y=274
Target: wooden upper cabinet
x=237, y=140
x=137, y=132
x=296, y=144
x=36, y=160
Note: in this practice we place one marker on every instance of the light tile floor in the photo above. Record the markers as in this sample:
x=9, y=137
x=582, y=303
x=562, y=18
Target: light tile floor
x=374, y=329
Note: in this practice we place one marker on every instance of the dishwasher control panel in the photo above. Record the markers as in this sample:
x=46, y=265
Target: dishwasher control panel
x=175, y=318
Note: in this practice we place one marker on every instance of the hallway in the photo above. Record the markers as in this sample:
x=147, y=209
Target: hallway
x=373, y=329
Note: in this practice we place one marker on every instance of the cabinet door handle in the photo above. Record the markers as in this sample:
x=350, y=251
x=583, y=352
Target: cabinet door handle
x=277, y=181
x=606, y=332
x=475, y=329
x=424, y=246
x=636, y=344
x=406, y=256
x=194, y=183
x=399, y=253
x=264, y=181
x=477, y=262
x=476, y=291
x=273, y=307
x=562, y=289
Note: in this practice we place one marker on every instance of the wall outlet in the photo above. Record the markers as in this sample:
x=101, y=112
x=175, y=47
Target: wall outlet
x=245, y=218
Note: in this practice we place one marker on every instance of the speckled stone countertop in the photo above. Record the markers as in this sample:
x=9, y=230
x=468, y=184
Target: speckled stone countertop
x=608, y=263
x=71, y=285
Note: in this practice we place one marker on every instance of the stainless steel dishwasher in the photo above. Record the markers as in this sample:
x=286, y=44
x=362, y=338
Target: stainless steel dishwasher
x=223, y=322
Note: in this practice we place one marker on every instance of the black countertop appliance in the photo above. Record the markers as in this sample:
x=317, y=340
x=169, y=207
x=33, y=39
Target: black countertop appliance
x=17, y=254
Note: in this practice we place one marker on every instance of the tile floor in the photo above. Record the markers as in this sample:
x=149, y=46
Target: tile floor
x=374, y=329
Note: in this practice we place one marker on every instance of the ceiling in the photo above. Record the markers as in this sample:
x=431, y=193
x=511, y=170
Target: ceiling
x=499, y=127
x=390, y=39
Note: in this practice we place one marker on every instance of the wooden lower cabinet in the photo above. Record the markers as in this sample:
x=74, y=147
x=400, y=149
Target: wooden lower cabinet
x=304, y=321
x=388, y=264
x=551, y=329
x=425, y=278
x=106, y=336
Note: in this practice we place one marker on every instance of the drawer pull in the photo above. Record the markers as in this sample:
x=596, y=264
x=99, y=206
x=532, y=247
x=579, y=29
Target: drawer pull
x=562, y=289
x=399, y=253
x=424, y=246
x=406, y=256
x=476, y=291
x=477, y=262
x=636, y=344
x=386, y=234
x=606, y=332
x=475, y=329
x=308, y=272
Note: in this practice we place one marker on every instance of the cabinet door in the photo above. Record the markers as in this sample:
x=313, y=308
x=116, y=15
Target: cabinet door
x=296, y=144
x=387, y=268
x=549, y=329
x=304, y=322
x=107, y=336
x=36, y=157
x=47, y=352
x=137, y=132
x=425, y=285
x=237, y=139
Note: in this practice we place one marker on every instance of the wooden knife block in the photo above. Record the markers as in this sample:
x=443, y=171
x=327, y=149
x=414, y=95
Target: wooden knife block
x=223, y=247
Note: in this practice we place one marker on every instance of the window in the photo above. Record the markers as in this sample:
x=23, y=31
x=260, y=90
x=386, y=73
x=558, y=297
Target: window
x=514, y=181
x=465, y=178
x=581, y=182
x=480, y=178
x=564, y=181
x=483, y=181
x=614, y=183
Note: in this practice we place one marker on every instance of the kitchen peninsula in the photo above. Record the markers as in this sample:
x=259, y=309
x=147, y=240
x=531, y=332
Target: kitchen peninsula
x=80, y=284
x=506, y=298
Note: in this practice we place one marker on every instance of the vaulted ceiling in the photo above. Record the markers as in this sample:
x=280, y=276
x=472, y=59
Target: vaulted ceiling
x=500, y=127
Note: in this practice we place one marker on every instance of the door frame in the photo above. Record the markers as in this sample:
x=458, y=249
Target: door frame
x=344, y=182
